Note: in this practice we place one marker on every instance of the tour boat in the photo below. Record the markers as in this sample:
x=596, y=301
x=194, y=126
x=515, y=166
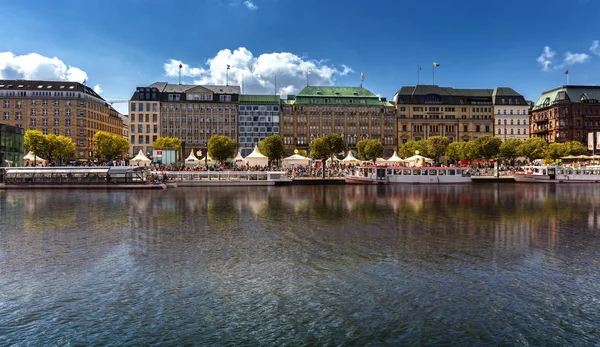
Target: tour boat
x=79, y=177
x=227, y=178
x=408, y=175
x=558, y=174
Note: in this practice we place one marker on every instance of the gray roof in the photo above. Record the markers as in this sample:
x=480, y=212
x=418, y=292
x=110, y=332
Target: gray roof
x=452, y=96
x=182, y=88
x=61, y=86
x=574, y=93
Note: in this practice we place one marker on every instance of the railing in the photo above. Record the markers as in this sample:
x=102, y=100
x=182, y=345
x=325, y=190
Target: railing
x=225, y=175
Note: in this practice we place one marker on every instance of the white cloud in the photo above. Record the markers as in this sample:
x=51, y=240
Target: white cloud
x=545, y=59
x=575, y=58
x=250, y=5
x=34, y=66
x=97, y=89
x=595, y=48
x=259, y=73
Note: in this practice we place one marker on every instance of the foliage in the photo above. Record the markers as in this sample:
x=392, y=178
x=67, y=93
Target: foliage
x=326, y=147
x=369, y=150
x=436, y=146
x=554, y=151
x=487, y=146
x=35, y=141
x=50, y=146
x=411, y=147
x=65, y=148
x=221, y=147
x=272, y=147
x=575, y=148
x=532, y=148
x=302, y=152
x=110, y=146
x=319, y=149
x=455, y=151
x=508, y=149
x=167, y=142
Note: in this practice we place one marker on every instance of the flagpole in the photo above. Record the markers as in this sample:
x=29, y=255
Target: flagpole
x=418, y=73
x=275, y=84
x=227, y=76
x=433, y=74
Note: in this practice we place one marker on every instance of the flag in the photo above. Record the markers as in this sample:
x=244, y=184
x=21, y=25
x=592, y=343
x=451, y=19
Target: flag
x=362, y=76
x=435, y=64
x=598, y=140
x=84, y=81
x=309, y=71
x=228, y=66
x=419, y=66
x=590, y=141
x=180, y=65
x=567, y=72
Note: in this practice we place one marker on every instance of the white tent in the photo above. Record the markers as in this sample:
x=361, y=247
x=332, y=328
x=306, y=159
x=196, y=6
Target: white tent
x=394, y=159
x=206, y=160
x=295, y=159
x=30, y=157
x=350, y=159
x=192, y=160
x=239, y=160
x=418, y=160
x=140, y=160
x=256, y=158
x=381, y=161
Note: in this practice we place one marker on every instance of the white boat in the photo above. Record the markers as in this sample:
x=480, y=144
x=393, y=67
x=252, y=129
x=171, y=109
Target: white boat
x=558, y=174
x=408, y=175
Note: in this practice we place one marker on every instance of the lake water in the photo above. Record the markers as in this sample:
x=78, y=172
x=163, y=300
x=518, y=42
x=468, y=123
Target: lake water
x=462, y=265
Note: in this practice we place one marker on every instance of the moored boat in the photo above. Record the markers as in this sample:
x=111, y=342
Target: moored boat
x=409, y=175
x=78, y=177
x=558, y=174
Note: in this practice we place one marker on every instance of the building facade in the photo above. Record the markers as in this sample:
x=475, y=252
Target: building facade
x=353, y=112
x=258, y=117
x=511, y=114
x=192, y=113
x=428, y=110
x=11, y=145
x=566, y=113
x=61, y=108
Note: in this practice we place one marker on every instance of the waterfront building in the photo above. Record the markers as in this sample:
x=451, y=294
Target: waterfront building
x=192, y=113
x=353, y=112
x=511, y=114
x=566, y=113
x=61, y=108
x=428, y=110
x=11, y=145
x=258, y=118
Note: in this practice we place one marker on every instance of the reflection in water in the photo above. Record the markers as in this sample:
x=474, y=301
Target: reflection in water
x=448, y=264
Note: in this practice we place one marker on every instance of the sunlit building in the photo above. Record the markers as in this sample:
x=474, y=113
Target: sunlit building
x=353, y=112
x=566, y=113
x=258, y=118
x=428, y=110
x=192, y=113
x=60, y=108
x=511, y=114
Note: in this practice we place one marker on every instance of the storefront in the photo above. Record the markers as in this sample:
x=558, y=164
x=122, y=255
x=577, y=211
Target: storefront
x=11, y=145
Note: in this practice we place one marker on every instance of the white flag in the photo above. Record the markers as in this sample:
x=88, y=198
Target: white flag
x=598, y=140
x=590, y=141
x=362, y=76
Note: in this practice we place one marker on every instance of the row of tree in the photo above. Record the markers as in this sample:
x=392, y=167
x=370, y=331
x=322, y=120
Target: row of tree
x=490, y=147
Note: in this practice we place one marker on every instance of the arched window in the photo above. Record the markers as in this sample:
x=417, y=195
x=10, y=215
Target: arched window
x=512, y=122
x=518, y=122
x=499, y=122
x=546, y=102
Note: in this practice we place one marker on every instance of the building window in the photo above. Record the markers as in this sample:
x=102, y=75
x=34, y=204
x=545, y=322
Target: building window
x=132, y=107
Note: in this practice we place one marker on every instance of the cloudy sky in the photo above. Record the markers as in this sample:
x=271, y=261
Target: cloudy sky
x=274, y=46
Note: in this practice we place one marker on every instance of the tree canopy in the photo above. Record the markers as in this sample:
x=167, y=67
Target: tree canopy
x=109, y=146
x=167, y=142
x=369, y=150
x=272, y=147
x=411, y=147
x=487, y=146
x=532, y=148
x=508, y=149
x=221, y=147
x=437, y=146
x=50, y=147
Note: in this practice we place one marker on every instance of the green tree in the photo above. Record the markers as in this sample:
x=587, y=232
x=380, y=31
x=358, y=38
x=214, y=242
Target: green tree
x=272, y=147
x=326, y=147
x=508, y=149
x=65, y=148
x=532, y=148
x=369, y=150
x=436, y=146
x=575, y=148
x=555, y=151
x=35, y=141
x=221, y=147
x=51, y=145
x=411, y=147
x=456, y=151
x=487, y=146
x=110, y=146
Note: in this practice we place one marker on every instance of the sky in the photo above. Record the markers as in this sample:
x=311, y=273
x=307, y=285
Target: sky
x=275, y=46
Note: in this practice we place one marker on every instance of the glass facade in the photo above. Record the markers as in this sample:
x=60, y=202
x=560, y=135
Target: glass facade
x=11, y=146
x=255, y=123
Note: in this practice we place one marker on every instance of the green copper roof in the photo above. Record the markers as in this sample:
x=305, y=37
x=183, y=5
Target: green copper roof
x=258, y=99
x=575, y=94
x=332, y=91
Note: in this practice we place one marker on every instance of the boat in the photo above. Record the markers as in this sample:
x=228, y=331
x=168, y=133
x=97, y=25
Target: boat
x=79, y=177
x=408, y=175
x=558, y=174
x=226, y=178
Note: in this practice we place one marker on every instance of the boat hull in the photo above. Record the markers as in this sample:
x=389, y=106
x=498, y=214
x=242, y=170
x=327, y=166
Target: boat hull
x=363, y=180
x=83, y=186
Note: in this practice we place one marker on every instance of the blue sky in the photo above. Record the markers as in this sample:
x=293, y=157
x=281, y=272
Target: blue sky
x=120, y=44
